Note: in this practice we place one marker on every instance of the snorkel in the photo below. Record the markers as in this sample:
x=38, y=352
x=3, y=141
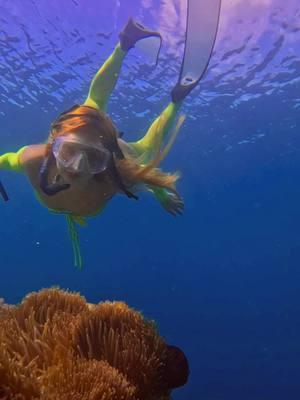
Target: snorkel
x=106, y=145
x=50, y=189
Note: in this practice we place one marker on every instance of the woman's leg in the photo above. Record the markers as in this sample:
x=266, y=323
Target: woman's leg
x=156, y=134
x=147, y=147
x=105, y=80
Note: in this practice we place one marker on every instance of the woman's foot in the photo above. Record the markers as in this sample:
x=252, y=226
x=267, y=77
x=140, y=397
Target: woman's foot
x=133, y=32
x=180, y=91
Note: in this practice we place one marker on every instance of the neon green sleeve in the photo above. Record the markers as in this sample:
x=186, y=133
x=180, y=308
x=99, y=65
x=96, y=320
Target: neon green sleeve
x=11, y=161
x=170, y=201
x=105, y=80
x=161, y=194
x=158, y=131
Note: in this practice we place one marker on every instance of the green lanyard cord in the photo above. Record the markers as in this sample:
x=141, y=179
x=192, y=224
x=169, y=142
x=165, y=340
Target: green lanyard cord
x=75, y=241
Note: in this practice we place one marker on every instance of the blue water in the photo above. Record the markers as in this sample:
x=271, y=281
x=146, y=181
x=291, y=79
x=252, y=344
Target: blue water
x=222, y=281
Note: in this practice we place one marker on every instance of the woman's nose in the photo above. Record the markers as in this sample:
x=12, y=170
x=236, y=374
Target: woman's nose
x=81, y=163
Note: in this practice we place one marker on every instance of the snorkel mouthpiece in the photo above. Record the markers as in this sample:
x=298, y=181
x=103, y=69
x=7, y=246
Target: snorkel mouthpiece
x=50, y=189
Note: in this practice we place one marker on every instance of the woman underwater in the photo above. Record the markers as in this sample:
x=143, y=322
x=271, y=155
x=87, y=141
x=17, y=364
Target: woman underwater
x=84, y=162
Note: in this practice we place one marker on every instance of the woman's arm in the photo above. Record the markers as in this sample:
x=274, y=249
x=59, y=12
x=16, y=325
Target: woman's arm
x=11, y=161
x=170, y=201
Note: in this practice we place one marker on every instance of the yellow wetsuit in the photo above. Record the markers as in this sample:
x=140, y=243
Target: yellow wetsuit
x=99, y=93
x=11, y=161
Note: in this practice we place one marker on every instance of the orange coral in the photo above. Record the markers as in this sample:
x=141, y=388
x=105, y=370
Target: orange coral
x=55, y=346
x=76, y=379
x=113, y=332
x=48, y=302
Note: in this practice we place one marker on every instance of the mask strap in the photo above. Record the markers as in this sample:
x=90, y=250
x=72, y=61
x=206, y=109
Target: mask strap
x=119, y=181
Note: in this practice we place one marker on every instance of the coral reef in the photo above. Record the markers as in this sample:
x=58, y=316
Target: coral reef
x=56, y=346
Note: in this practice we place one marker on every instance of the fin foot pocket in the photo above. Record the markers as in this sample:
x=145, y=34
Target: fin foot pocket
x=133, y=32
x=180, y=91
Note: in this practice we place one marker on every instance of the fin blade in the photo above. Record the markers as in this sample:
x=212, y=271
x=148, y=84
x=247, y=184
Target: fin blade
x=202, y=26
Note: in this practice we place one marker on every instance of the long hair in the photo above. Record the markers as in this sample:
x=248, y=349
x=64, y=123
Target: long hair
x=135, y=171
x=86, y=120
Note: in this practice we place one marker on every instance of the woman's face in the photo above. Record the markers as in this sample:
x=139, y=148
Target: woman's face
x=78, y=159
x=72, y=178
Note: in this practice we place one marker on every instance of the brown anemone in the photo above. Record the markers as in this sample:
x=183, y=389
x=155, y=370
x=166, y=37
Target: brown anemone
x=56, y=346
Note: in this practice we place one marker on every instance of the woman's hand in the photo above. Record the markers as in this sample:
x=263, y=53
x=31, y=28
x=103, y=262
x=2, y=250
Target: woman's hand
x=169, y=200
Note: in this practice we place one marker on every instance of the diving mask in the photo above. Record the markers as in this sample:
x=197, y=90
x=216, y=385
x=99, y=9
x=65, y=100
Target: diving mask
x=76, y=155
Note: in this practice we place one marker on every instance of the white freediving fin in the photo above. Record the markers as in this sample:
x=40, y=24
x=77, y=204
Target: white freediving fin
x=201, y=31
x=150, y=46
x=135, y=34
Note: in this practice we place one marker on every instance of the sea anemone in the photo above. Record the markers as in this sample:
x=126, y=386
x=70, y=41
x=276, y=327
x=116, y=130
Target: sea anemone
x=56, y=346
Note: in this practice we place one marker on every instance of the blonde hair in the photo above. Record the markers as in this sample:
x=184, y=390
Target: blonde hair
x=78, y=120
x=132, y=170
